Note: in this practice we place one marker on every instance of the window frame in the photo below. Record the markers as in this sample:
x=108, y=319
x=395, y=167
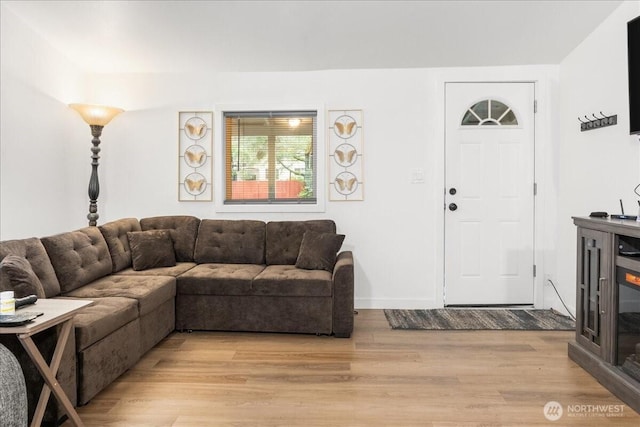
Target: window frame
x=220, y=162
x=484, y=127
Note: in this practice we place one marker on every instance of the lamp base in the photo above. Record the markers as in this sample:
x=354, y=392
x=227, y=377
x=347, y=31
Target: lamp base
x=94, y=185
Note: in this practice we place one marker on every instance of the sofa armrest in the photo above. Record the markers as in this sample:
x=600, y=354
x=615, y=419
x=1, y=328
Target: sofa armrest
x=343, y=290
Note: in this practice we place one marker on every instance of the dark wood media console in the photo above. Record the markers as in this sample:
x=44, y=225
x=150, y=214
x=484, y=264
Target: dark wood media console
x=607, y=343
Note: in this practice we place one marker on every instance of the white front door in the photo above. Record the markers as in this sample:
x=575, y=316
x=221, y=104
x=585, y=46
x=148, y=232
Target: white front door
x=489, y=194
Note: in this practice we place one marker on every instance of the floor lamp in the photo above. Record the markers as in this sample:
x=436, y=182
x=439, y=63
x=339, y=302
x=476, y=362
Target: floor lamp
x=97, y=116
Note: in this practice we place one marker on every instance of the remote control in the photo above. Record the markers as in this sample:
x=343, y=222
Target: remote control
x=29, y=299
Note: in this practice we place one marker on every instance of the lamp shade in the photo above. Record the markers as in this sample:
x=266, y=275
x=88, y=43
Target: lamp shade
x=98, y=115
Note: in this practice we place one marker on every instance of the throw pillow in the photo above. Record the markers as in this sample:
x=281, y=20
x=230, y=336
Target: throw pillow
x=151, y=249
x=18, y=272
x=318, y=250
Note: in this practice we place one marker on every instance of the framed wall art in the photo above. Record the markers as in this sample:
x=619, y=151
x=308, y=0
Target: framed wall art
x=345, y=149
x=195, y=161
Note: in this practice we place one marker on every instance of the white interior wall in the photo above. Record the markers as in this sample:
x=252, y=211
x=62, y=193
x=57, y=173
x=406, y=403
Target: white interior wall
x=596, y=168
x=41, y=142
x=396, y=233
x=391, y=232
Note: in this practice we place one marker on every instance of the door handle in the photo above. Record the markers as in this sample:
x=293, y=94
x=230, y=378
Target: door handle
x=602, y=284
x=453, y=206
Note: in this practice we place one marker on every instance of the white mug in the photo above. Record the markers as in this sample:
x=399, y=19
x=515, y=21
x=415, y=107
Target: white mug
x=7, y=303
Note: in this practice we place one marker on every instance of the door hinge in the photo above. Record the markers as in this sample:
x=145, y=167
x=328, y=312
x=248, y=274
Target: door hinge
x=535, y=188
x=535, y=106
x=534, y=270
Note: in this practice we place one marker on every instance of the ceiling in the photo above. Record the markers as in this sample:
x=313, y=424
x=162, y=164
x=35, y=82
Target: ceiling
x=179, y=36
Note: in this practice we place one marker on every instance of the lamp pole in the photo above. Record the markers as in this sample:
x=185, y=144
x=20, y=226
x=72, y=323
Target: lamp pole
x=94, y=184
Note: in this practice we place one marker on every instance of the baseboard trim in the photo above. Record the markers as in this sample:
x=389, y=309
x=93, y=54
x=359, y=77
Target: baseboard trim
x=392, y=303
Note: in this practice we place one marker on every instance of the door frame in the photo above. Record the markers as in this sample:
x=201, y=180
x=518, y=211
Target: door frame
x=544, y=224
x=529, y=86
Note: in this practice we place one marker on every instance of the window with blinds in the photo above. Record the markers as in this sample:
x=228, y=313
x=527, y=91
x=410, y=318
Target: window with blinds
x=270, y=157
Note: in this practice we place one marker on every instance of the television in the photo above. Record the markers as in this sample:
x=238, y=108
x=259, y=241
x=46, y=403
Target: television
x=633, y=48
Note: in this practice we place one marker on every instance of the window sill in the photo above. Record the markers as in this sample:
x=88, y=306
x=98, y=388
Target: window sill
x=271, y=208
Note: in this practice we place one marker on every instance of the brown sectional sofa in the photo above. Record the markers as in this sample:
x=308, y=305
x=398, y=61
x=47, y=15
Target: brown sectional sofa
x=225, y=275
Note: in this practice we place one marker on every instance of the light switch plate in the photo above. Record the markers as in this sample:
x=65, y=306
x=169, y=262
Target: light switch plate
x=417, y=176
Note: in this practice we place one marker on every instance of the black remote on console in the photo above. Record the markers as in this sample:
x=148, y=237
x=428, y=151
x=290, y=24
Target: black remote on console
x=29, y=299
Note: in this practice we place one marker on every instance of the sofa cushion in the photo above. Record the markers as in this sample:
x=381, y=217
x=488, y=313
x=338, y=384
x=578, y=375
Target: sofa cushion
x=219, y=279
x=115, y=234
x=284, y=238
x=151, y=249
x=34, y=252
x=101, y=318
x=174, y=271
x=183, y=230
x=287, y=280
x=78, y=257
x=318, y=251
x=149, y=291
x=21, y=276
x=230, y=242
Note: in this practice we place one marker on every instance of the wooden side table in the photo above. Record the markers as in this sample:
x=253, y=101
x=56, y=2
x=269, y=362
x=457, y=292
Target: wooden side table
x=56, y=312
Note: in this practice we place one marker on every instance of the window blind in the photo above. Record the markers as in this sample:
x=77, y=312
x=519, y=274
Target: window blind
x=270, y=156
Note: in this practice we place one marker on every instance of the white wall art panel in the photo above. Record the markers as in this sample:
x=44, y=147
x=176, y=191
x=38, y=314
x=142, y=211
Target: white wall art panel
x=195, y=172
x=345, y=155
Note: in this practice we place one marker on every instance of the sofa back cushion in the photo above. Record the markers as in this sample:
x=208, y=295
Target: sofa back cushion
x=115, y=234
x=78, y=257
x=183, y=231
x=284, y=238
x=33, y=250
x=230, y=242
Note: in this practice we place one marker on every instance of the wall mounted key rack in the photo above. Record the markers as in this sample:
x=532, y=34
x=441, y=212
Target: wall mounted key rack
x=597, y=122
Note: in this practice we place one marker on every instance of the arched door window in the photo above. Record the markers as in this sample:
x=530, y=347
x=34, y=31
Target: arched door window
x=489, y=112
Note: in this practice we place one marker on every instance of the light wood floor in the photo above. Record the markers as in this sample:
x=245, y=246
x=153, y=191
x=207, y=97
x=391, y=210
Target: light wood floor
x=379, y=377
